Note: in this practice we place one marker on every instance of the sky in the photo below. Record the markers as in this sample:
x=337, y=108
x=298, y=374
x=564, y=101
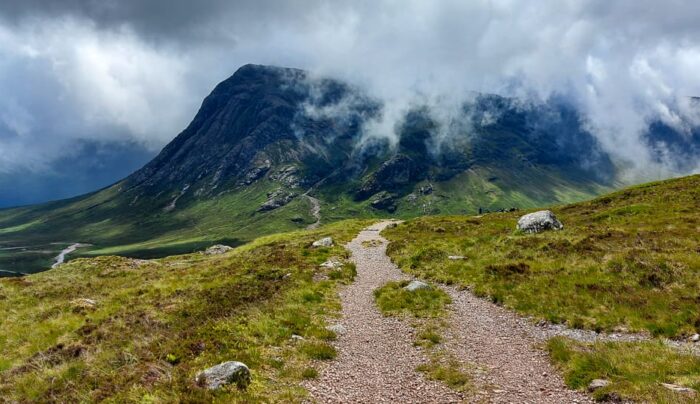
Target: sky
x=93, y=89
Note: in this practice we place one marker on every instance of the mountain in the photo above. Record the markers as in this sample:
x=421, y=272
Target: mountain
x=270, y=143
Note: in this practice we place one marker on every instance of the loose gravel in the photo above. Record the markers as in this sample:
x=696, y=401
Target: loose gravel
x=376, y=359
x=511, y=366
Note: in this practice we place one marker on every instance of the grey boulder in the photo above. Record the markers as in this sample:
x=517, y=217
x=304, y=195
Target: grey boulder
x=539, y=221
x=231, y=372
x=324, y=242
x=332, y=263
x=416, y=285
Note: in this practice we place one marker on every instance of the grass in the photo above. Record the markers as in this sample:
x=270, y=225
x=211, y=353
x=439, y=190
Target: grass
x=428, y=307
x=635, y=370
x=448, y=371
x=115, y=223
x=114, y=227
x=393, y=300
x=626, y=261
x=157, y=323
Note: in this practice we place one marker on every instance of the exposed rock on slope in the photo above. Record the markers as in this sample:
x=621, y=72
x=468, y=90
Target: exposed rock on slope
x=539, y=221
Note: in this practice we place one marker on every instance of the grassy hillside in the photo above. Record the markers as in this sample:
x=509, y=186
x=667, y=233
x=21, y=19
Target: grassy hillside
x=157, y=323
x=30, y=237
x=627, y=261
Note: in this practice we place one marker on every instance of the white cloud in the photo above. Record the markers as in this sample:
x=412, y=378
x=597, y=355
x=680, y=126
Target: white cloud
x=142, y=74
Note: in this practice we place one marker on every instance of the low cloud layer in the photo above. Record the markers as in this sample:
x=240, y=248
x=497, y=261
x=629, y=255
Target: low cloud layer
x=135, y=72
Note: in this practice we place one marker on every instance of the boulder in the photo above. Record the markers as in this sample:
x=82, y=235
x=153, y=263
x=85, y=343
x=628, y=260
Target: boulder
x=539, y=221
x=598, y=384
x=695, y=338
x=324, y=242
x=456, y=257
x=231, y=372
x=217, y=249
x=416, y=285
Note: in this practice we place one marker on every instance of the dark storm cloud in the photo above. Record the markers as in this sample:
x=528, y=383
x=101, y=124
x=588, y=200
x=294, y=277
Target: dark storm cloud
x=184, y=21
x=135, y=71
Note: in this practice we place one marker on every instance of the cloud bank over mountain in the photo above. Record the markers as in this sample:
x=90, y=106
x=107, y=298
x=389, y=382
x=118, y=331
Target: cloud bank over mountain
x=134, y=72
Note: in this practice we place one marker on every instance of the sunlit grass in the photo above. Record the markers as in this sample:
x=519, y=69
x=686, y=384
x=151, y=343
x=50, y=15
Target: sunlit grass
x=635, y=370
x=628, y=260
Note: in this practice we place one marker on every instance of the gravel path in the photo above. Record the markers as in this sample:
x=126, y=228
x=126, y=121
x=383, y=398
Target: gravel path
x=511, y=366
x=376, y=358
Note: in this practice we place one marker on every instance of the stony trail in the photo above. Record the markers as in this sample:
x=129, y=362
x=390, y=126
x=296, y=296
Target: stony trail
x=376, y=358
x=507, y=351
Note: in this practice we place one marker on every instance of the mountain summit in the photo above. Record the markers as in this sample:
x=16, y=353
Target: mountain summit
x=269, y=145
x=282, y=125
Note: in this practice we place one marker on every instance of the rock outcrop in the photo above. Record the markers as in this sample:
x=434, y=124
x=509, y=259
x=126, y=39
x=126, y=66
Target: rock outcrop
x=396, y=172
x=277, y=199
x=384, y=201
